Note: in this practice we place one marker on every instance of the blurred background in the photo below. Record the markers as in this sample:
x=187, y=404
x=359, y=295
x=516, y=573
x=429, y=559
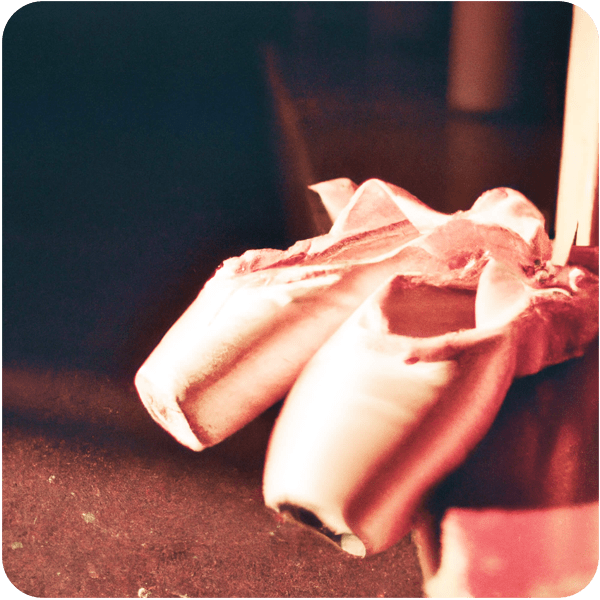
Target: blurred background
x=146, y=142
x=143, y=144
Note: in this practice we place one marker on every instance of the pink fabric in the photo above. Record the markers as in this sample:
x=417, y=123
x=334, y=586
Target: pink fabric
x=550, y=552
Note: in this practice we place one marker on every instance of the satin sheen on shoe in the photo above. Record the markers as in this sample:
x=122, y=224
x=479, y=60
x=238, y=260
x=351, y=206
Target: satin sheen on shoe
x=241, y=344
x=411, y=382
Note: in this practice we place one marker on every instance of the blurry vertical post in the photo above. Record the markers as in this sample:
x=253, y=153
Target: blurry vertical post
x=577, y=204
x=483, y=56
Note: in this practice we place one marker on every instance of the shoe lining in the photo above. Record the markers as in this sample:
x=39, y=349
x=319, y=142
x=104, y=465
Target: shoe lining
x=428, y=311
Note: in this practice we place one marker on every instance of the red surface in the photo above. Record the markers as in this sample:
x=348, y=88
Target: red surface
x=518, y=553
x=99, y=502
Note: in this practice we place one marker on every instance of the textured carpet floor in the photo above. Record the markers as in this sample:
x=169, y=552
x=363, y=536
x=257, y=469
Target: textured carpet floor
x=99, y=502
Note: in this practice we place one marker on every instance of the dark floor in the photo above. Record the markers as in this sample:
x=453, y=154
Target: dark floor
x=98, y=502
x=131, y=170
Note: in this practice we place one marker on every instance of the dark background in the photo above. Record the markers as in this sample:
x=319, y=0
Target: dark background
x=136, y=158
x=140, y=146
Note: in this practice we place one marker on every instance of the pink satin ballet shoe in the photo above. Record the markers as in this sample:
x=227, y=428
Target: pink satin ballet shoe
x=241, y=344
x=403, y=391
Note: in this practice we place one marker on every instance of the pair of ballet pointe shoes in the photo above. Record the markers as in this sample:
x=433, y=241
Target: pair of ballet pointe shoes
x=395, y=338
